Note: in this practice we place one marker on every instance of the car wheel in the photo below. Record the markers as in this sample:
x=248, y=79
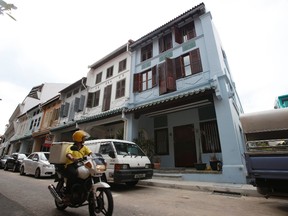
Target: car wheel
x=14, y=168
x=37, y=173
x=5, y=167
x=22, y=172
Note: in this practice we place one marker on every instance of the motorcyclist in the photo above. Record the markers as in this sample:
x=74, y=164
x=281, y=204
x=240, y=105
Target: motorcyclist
x=78, y=150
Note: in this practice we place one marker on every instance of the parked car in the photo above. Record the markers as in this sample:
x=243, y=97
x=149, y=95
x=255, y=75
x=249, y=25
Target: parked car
x=37, y=164
x=3, y=161
x=14, y=161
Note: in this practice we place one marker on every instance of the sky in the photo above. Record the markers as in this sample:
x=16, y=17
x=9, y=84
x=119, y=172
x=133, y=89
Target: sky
x=55, y=42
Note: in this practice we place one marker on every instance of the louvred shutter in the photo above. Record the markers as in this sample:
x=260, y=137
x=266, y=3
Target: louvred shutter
x=162, y=78
x=89, y=100
x=107, y=98
x=178, y=35
x=178, y=68
x=171, y=82
x=154, y=72
x=137, y=83
x=195, y=59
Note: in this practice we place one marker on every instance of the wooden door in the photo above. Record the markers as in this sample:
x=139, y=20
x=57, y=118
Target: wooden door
x=184, y=146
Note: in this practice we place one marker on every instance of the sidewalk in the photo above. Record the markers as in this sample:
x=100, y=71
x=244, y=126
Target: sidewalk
x=237, y=189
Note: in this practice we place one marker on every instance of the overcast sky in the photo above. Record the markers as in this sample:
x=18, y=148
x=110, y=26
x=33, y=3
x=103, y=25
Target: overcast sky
x=55, y=41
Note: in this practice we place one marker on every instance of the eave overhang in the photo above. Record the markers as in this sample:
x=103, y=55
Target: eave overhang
x=100, y=116
x=174, y=101
x=195, y=11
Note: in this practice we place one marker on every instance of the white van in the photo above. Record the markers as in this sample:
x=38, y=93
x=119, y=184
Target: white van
x=126, y=162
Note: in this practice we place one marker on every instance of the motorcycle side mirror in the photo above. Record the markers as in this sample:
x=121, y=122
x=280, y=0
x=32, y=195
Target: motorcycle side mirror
x=74, y=148
x=111, y=154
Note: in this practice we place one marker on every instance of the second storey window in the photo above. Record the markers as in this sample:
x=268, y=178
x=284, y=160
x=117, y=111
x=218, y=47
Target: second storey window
x=122, y=65
x=98, y=78
x=188, y=64
x=120, y=89
x=93, y=99
x=145, y=80
x=109, y=72
x=165, y=43
x=146, y=52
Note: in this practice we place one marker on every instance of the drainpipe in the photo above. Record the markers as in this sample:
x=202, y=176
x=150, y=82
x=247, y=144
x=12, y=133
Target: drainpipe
x=84, y=110
x=125, y=119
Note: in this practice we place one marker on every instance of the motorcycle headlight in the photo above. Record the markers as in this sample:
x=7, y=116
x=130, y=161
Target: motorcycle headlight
x=100, y=168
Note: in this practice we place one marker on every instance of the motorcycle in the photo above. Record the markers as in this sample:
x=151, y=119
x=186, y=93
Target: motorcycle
x=90, y=188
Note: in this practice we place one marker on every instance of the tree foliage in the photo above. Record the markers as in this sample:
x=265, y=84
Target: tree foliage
x=6, y=8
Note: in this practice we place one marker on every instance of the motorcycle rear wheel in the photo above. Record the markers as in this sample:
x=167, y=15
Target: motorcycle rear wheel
x=103, y=205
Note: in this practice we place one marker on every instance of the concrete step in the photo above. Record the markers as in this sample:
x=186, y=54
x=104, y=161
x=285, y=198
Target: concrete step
x=168, y=176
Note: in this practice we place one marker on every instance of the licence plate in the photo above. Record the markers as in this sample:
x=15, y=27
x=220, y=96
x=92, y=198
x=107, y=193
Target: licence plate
x=142, y=175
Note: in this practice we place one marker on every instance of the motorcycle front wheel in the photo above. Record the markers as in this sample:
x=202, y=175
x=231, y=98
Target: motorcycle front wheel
x=102, y=204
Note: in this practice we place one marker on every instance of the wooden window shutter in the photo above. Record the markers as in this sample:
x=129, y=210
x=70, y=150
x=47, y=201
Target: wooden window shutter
x=170, y=78
x=81, y=103
x=76, y=104
x=122, y=90
x=107, y=98
x=62, y=110
x=191, y=33
x=89, y=100
x=195, y=59
x=96, y=98
x=137, y=87
x=162, y=78
x=72, y=112
x=154, y=77
x=178, y=68
x=178, y=35
x=66, y=109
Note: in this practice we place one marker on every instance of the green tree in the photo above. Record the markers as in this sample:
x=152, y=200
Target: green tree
x=6, y=8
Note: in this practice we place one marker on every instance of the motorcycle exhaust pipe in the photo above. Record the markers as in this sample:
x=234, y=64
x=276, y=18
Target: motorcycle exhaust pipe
x=54, y=193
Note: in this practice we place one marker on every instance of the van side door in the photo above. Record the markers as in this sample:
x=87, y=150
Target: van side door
x=104, y=150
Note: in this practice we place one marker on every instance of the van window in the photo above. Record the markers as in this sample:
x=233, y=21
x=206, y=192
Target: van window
x=105, y=148
x=128, y=149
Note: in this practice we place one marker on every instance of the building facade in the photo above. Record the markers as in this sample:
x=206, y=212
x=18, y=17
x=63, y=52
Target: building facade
x=184, y=98
x=172, y=86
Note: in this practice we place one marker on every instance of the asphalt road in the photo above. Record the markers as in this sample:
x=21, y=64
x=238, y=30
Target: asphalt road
x=25, y=195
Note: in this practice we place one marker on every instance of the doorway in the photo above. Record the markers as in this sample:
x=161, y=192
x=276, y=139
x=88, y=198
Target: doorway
x=184, y=146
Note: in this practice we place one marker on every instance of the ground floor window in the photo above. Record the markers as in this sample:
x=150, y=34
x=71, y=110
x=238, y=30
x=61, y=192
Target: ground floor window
x=161, y=139
x=210, y=137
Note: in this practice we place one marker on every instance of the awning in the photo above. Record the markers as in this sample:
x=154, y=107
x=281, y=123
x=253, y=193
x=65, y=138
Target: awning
x=265, y=121
x=172, y=102
x=21, y=138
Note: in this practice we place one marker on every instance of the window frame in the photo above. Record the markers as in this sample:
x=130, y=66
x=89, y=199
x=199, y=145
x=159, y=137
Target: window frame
x=98, y=78
x=211, y=144
x=120, y=88
x=93, y=99
x=122, y=65
x=147, y=52
x=109, y=72
x=137, y=82
x=185, y=33
x=165, y=42
x=165, y=144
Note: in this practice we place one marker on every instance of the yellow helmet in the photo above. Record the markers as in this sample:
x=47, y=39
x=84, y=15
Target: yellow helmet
x=80, y=136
